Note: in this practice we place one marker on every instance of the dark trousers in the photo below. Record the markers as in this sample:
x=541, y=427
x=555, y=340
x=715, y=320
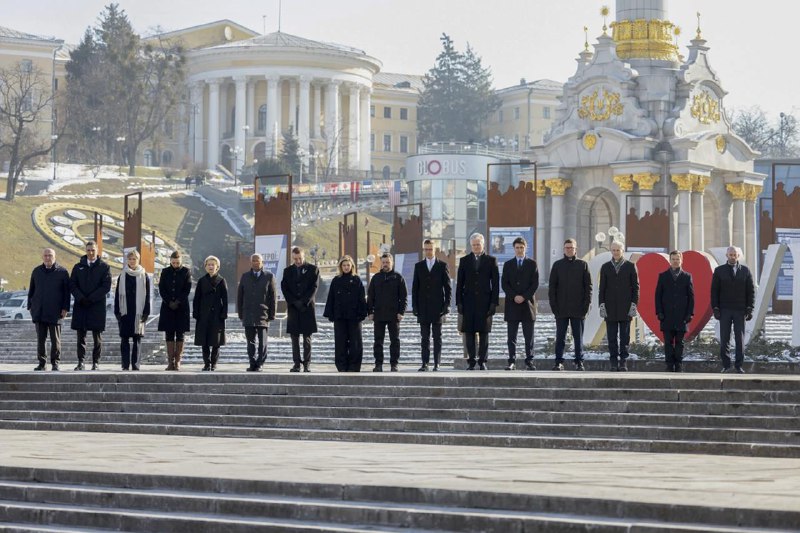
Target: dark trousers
x=129, y=346
x=619, y=338
x=394, y=341
x=210, y=355
x=728, y=318
x=173, y=336
x=306, y=349
x=561, y=337
x=483, y=347
x=527, y=334
x=250, y=333
x=425, y=333
x=42, y=331
x=348, y=349
x=97, y=348
x=673, y=347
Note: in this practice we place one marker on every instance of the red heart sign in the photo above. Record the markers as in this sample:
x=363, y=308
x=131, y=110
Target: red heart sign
x=699, y=265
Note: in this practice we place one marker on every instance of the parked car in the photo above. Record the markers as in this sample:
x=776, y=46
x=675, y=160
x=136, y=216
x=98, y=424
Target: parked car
x=15, y=308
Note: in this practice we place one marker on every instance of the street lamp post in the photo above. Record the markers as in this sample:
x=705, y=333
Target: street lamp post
x=301, y=154
x=120, y=140
x=54, y=138
x=236, y=151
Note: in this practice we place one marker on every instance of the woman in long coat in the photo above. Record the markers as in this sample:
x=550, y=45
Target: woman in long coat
x=132, y=307
x=174, y=286
x=347, y=308
x=210, y=310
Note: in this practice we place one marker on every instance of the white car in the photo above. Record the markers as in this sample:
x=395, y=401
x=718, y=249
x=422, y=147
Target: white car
x=15, y=308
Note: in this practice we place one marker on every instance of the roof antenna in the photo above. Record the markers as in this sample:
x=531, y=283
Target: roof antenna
x=263, y=24
x=279, y=15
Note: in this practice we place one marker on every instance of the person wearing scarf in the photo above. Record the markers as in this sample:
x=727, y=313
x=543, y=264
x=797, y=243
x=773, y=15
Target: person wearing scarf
x=210, y=310
x=132, y=308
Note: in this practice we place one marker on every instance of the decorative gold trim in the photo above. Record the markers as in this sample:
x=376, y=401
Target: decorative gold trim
x=589, y=141
x=684, y=182
x=739, y=191
x=624, y=182
x=558, y=186
x=646, y=180
x=721, y=143
x=645, y=39
x=753, y=191
x=705, y=108
x=597, y=107
x=541, y=189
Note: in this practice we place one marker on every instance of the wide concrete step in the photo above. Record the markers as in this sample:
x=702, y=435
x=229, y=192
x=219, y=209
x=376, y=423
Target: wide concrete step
x=129, y=502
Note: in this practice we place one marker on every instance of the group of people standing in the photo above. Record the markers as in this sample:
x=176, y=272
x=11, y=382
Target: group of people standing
x=478, y=284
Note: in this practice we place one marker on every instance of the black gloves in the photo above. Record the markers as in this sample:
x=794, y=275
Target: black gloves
x=661, y=317
x=748, y=315
x=174, y=304
x=717, y=314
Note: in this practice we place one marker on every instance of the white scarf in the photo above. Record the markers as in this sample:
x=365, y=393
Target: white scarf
x=141, y=294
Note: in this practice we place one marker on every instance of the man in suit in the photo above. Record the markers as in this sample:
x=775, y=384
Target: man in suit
x=675, y=309
x=570, y=293
x=255, y=306
x=387, y=297
x=430, y=300
x=618, y=298
x=48, y=302
x=299, y=287
x=477, y=296
x=519, y=281
x=89, y=283
x=732, y=298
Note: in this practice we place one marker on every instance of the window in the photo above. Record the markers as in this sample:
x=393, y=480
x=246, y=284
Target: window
x=372, y=111
x=403, y=113
x=26, y=65
x=387, y=143
x=500, y=116
x=262, y=118
x=546, y=112
x=387, y=112
x=168, y=128
x=371, y=142
x=387, y=172
x=516, y=113
x=403, y=144
x=166, y=158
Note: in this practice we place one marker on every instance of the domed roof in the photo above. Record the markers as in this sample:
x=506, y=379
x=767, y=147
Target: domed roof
x=280, y=40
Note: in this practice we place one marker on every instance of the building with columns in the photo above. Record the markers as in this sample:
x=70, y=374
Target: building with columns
x=641, y=142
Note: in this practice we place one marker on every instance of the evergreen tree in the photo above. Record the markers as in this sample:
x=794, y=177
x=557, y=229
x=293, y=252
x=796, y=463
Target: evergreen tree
x=457, y=96
x=289, y=156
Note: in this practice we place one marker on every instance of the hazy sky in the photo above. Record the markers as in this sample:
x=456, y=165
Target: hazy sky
x=751, y=42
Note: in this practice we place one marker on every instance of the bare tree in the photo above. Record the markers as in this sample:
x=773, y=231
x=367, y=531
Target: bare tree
x=26, y=99
x=780, y=140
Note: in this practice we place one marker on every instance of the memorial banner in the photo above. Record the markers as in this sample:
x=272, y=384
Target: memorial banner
x=501, y=244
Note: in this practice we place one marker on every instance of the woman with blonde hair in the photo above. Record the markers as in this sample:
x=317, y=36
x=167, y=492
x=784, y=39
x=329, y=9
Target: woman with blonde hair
x=347, y=308
x=210, y=310
x=132, y=307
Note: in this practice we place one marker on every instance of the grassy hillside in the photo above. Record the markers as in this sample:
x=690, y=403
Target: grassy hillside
x=326, y=234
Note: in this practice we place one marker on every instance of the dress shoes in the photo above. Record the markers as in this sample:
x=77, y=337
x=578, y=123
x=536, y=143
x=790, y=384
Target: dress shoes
x=55, y=367
x=482, y=366
x=95, y=366
x=378, y=368
x=435, y=368
x=739, y=370
x=579, y=366
x=295, y=368
x=80, y=366
x=678, y=367
x=558, y=367
x=529, y=365
x=725, y=370
x=306, y=367
x=623, y=366
x=394, y=368
x=511, y=366
x=40, y=368
x=423, y=368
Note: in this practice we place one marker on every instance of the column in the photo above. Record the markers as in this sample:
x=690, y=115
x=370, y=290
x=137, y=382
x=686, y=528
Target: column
x=197, y=112
x=541, y=235
x=558, y=187
x=646, y=182
x=302, y=126
x=213, y=123
x=353, y=129
x=751, y=206
x=739, y=193
x=252, y=118
x=272, y=107
x=698, y=213
x=292, y=122
x=315, y=120
x=239, y=123
x=332, y=132
x=685, y=184
x=366, y=129
x=625, y=184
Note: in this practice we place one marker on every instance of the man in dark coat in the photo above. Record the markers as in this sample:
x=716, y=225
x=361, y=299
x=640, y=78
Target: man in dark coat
x=675, y=309
x=299, y=287
x=519, y=281
x=430, y=300
x=570, y=293
x=48, y=302
x=255, y=306
x=477, y=296
x=732, y=299
x=618, y=298
x=387, y=297
x=90, y=283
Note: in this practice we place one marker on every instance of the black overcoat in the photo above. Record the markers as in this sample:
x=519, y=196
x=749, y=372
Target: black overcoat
x=618, y=290
x=48, y=294
x=89, y=286
x=477, y=292
x=257, y=299
x=387, y=296
x=174, y=285
x=431, y=292
x=346, y=299
x=210, y=310
x=523, y=282
x=299, y=287
x=127, y=323
x=570, y=290
x=675, y=300
x=732, y=292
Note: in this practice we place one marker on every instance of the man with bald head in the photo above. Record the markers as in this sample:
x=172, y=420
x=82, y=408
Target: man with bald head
x=732, y=298
x=255, y=304
x=48, y=302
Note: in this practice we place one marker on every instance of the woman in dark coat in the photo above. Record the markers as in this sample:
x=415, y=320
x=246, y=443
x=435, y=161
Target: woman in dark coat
x=174, y=286
x=210, y=310
x=347, y=308
x=132, y=307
